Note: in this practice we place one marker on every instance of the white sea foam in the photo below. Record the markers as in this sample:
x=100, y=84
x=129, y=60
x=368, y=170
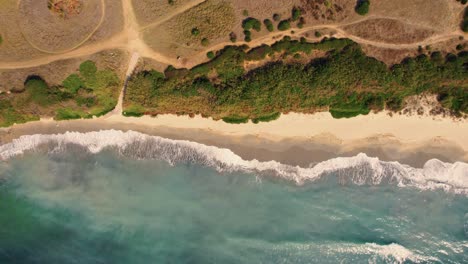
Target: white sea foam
x=392, y=253
x=360, y=169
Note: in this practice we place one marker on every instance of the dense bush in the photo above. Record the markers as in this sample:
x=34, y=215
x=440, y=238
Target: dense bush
x=362, y=7
x=247, y=36
x=251, y=23
x=210, y=55
x=464, y=24
x=73, y=83
x=284, y=25
x=85, y=94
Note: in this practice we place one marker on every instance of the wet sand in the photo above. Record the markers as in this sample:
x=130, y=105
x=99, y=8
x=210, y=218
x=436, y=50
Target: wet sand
x=294, y=139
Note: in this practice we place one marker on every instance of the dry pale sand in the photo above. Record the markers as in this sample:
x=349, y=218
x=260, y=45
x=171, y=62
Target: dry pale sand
x=297, y=139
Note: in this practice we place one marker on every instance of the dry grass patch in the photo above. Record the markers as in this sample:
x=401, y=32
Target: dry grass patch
x=213, y=19
x=148, y=11
x=389, y=31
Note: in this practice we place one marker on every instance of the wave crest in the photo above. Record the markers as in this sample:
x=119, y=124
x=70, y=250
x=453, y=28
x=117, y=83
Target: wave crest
x=360, y=169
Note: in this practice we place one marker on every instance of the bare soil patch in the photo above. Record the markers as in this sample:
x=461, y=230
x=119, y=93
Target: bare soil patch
x=389, y=31
x=49, y=32
x=65, y=8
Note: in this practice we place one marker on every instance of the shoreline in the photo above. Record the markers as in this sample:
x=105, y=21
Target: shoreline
x=295, y=139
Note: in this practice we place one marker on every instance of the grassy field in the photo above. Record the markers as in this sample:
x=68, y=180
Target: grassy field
x=346, y=82
x=84, y=94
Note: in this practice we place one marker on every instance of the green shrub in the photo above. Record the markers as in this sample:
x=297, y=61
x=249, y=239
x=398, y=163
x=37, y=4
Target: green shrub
x=210, y=55
x=195, y=32
x=269, y=25
x=245, y=13
x=205, y=42
x=233, y=37
x=88, y=69
x=251, y=23
x=276, y=17
x=67, y=114
x=73, y=83
x=266, y=118
x=301, y=22
x=134, y=111
x=296, y=13
x=317, y=34
x=284, y=25
x=362, y=7
x=248, y=36
x=235, y=119
x=39, y=91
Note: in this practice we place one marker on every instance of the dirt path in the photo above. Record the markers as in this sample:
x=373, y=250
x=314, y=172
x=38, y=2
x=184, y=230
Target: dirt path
x=131, y=67
x=130, y=39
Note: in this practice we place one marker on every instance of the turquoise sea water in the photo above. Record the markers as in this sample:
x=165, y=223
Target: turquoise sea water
x=68, y=205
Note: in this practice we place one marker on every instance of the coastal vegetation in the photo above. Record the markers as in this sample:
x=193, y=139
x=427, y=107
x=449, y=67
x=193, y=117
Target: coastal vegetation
x=87, y=93
x=345, y=81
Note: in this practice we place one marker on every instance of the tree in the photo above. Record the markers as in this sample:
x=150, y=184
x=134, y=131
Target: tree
x=362, y=7
x=284, y=25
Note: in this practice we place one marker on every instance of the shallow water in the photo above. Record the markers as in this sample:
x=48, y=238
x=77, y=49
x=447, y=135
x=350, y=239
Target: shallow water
x=69, y=205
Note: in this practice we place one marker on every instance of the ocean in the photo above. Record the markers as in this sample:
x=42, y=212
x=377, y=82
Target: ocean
x=126, y=197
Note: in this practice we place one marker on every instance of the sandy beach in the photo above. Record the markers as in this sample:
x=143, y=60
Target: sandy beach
x=296, y=139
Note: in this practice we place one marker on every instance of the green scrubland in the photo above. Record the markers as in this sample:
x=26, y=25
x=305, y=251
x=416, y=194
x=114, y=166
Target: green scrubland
x=345, y=81
x=88, y=92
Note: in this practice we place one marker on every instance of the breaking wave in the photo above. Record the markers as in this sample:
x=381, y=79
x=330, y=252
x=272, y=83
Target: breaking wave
x=360, y=169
